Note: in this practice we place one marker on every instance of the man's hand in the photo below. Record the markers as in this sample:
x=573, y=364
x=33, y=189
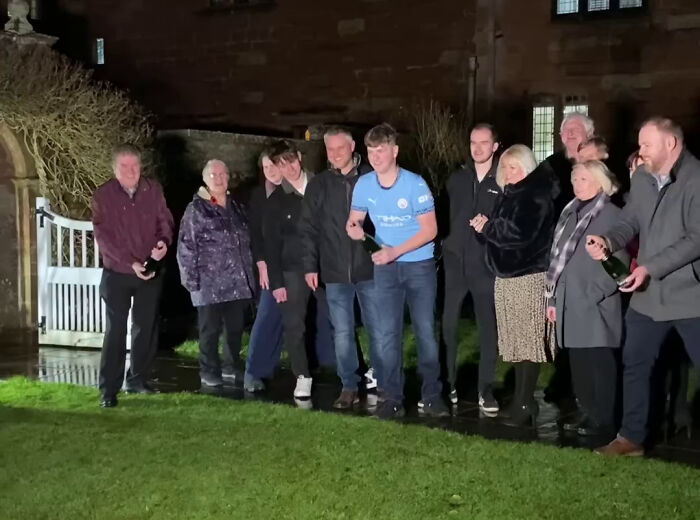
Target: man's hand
x=280, y=295
x=478, y=222
x=262, y=274
x=551, y=314
x=385, y=255
x=635, y=280
x=139, y=270
x=354, y=230
x=596, y=247
x=311, y=280
x=158, y=252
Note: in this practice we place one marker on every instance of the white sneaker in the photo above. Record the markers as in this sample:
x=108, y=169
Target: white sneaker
x=370, y=380
x=303, y=388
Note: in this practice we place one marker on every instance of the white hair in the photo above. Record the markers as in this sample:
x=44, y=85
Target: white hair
x=586, y=121
x=210, y=164
x=606, y=178
x=522, y=155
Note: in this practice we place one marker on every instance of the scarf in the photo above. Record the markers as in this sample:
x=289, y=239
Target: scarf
x=561, y=252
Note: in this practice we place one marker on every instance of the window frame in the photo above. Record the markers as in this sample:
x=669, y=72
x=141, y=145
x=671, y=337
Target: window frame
x=614, y=11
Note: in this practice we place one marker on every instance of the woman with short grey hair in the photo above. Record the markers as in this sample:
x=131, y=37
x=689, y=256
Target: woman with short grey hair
x=216, y=267
x=584, y=301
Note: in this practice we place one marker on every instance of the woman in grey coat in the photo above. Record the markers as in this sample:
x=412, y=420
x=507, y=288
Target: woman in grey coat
x=216, y=267
x=584, y=300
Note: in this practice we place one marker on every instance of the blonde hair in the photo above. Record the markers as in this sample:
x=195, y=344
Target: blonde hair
x=522, y=155
x=601, y=173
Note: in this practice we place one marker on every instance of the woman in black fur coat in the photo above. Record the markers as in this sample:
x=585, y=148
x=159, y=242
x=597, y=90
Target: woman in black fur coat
x=518, y=240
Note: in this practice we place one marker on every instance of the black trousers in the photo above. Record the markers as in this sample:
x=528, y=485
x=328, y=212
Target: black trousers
x=480, y=284
x=117, y=291
x=294, y=312
x=594, y=377
x=210, y=319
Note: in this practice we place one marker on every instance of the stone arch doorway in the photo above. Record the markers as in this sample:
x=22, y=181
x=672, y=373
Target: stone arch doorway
x=19, y=185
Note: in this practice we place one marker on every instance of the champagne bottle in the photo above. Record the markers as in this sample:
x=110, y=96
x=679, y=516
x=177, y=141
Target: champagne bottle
x=151, y=265
x=370, y=244
x=615, y=268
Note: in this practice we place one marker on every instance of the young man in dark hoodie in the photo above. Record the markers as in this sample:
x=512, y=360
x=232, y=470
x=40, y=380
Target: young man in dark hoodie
x=344, y=266
x=284, y=253
x=471, y=190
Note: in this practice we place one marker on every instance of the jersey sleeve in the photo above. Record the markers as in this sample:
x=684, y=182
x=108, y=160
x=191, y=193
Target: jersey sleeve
x=359, y=195
x=421, y=197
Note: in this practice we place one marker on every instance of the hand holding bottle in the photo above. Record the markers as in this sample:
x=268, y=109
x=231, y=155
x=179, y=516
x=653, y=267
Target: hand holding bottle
x=596, y=247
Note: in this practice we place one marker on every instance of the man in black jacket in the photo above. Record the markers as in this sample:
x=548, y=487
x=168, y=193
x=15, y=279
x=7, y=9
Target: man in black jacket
x=284, y=254
x=472, y=190
x=346, y=269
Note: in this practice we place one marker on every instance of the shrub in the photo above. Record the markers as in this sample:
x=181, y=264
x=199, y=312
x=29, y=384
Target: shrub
x=68, y=121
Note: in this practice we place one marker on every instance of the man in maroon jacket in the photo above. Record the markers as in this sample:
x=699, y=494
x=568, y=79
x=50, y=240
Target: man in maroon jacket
x=132, y=223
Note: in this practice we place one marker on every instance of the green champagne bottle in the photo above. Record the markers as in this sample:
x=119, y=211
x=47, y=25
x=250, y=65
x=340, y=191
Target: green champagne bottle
x=615, y=268
x=370, y=244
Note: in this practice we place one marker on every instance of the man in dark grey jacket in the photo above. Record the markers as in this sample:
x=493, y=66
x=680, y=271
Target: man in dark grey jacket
x=664, y=210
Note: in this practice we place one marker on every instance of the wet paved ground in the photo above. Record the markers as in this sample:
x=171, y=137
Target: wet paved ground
x=177, y=374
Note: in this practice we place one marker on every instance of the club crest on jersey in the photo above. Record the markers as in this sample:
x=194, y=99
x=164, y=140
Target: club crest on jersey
x=402, y=203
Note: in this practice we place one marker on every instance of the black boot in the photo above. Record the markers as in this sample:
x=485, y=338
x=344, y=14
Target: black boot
x=526, y=409
x=515, y=398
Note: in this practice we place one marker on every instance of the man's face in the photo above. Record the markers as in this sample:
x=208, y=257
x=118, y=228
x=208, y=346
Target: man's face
x=653, y=148
x=588, y=153
x=382, y=157
x=271, y=172
x=127, y=170
x=339, y=149
x=482, y=145
x=216, y=178
x=573, y=133
x=290, y=168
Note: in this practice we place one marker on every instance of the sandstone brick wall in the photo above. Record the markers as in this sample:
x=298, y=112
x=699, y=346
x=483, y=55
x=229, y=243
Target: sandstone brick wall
x=286, y=67
x=628, y=68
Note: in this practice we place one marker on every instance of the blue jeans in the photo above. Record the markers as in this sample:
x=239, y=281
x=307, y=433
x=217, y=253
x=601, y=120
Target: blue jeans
x=341, y=306
x=323, y=342
x=265, y=338
x=396, y=284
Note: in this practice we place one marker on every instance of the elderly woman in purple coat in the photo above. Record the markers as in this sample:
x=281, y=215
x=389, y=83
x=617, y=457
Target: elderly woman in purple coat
x=216, y=267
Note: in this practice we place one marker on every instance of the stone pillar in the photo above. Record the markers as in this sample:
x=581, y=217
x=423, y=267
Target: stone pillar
x=19, y=186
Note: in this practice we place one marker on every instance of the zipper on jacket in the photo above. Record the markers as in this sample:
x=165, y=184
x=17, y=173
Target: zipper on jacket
x=348, y=192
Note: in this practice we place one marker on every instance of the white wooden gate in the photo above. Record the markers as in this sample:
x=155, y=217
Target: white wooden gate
x=70, y=309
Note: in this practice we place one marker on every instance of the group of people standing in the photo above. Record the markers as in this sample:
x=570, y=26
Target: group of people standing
x=525, y=240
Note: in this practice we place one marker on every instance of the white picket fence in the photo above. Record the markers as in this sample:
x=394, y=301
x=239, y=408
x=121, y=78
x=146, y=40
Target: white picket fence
x=70, y=310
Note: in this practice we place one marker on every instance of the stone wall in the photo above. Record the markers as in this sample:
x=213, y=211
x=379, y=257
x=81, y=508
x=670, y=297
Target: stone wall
x=627, y=68
x=188, y=150
x=283, y=68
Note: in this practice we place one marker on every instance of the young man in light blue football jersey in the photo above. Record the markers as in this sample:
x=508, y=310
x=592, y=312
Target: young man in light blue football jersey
x=401, y=207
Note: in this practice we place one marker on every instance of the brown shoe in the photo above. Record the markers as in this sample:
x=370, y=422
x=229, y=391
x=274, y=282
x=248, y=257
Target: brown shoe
x=346, y=399
x=621, y=446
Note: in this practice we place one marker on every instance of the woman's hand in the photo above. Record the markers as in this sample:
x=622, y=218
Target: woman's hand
x=551, y=314
x=478, y=222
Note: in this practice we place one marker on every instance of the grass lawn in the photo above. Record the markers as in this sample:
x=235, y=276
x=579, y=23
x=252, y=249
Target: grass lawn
x=467, y=353
x=190, y=456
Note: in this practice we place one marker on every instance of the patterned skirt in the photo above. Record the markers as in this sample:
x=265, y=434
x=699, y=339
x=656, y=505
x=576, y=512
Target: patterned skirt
x=523, y=331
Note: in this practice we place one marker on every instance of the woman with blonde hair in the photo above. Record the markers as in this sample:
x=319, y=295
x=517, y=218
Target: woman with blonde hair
x=584, y=301
x=518, y=238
